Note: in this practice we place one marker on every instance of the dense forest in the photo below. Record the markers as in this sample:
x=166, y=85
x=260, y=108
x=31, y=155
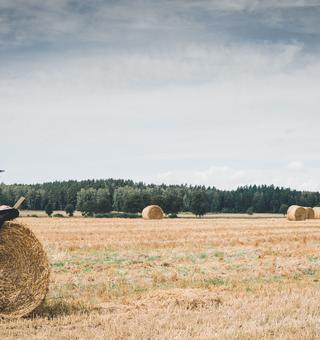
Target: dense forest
x=102, y=196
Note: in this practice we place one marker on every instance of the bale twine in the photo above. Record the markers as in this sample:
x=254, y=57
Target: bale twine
x=152, y=212
x=309, y=213
x=24, y=271
x=316, y=212
x=296, y=213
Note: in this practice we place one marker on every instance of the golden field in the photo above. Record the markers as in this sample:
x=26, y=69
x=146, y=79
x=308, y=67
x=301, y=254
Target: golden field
x=176, y=279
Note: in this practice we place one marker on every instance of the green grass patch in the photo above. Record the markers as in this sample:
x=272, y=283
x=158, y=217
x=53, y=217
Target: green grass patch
x=214, y=282
x=219, y=255
x=313, y=259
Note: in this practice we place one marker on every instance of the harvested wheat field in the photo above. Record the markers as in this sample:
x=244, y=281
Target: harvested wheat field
x=176, y=278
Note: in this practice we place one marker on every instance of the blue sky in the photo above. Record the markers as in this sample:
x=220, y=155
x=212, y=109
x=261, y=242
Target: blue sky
x=221, y=93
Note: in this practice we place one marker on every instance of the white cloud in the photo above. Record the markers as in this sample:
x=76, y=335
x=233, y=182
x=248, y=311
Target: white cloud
x=296, y=165
x=188, y=65
x=123, y=90
x=134, y=116
x=224, y=177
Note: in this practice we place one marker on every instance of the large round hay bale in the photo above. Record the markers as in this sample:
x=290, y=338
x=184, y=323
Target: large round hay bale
x=296, y=213
x=152, y=212
x=316, y=212
x=24, y=271
x=309, y=213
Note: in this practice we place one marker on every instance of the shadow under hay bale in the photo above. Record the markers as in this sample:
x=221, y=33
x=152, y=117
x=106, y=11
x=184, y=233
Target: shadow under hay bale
x=54, y=309
x=24, y=271
x=152, y=212
x=296, y=213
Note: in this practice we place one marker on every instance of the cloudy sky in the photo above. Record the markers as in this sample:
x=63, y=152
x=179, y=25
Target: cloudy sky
x=222, y=93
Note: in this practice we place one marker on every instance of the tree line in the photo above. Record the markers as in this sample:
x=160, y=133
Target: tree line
x=102, y=196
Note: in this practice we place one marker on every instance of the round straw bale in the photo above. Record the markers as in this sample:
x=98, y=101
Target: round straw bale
x=296, y=213
x=316, y=212
x=309, y=213
x=152, y=212
x=24, y=271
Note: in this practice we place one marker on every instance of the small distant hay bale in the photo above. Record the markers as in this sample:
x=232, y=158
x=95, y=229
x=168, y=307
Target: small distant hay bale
x=296, y=213
x=24, y=271
x=316, y=211
x=152, y=212
x=309, y=213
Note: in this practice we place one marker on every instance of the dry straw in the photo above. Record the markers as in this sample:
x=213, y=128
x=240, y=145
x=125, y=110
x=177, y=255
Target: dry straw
x=24, y=271
x=296, y=213
x=316, y=212
x=152, y=212
x=309, y=213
